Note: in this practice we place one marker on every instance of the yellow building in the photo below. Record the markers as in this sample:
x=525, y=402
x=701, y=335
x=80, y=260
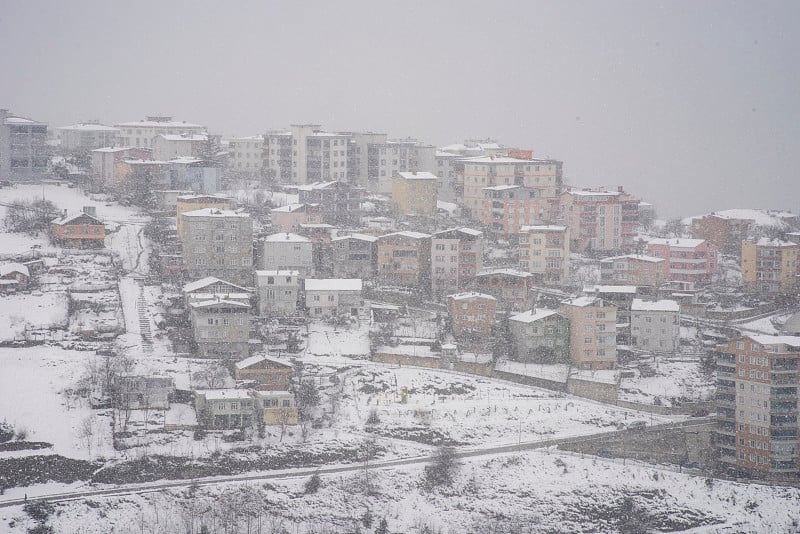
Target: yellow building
x=770, y=265
x=414, y=193
x=544, y=252
x=186, y=203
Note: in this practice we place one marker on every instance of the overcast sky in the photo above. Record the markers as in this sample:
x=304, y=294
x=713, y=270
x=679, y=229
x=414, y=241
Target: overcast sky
x=694, y=106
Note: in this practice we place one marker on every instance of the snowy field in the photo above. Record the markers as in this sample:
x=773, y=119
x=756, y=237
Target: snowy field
x=674, y=380
x=326, y=341
x=43, y=311
x=533, y=492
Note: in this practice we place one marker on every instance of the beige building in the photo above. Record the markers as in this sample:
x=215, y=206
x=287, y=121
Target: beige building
x=333, y=296
x=593, y=332
x=305, y=154
x=218, y=243
x=143, y=133
x=544, y=252
x=225, y=408
x=270, y=374
x=404, y=260
x=456, y=259
x=770, y=265
x=278, y=292
x=247, y=154
x=632, y=269
x=600, y=220
x=221, y=328
x=414, y=193
x=190, y=202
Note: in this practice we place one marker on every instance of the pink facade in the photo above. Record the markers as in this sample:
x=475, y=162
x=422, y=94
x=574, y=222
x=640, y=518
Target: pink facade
x=687, y=260
x=600, y=219
x=507, y=208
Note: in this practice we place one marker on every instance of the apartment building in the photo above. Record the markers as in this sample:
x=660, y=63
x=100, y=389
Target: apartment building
x=218, y=243
x=143, y=133
x=544, y=252
x=542, y=178
x=404, y=260
x=221, y=328
x=686, y=260
x=289, y=218
x=471, y=314
x=339, y=200
x=288, y=251
x=456, y=259
x=373, y=160
x=87, y=136
x=108, y=164
x=507, y=208
x=655, y=325
x=446, y=172
x=278, y=292
x=757, y=409
x=355, y=256
x=540, y=336
x=210, y=287
x=723, y=231
x=512, y=287
x=327, y=297
x=632, y=269
x=247, y=154
x=593, y=332
x=193, y=174
x=770, y=265
x=414, y=193
x=192, y=202
x=171, y=146
x=270, y=374
x=600, y=220
x=305, y=154
x=24, y=154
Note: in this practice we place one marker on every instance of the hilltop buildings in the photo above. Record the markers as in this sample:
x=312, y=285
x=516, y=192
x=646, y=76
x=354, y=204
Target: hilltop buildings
x=24, y=155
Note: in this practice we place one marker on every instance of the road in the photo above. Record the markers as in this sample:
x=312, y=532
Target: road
x=151, y=487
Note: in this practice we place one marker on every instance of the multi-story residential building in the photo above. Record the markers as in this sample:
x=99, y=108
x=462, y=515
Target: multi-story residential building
x=456, y=259
x=355, y=256
x=289, y=218
x=373, y=160
x=542, y=178
x=144, y=132
x=723, y=231
x=278, y=292
x=198, y=175
x=446, y=172
x=288, y=251
x=138, y=178
x=686, y=260
x=404, y=259
x=270, y=374
x=170, y=146
x=24, y=154
x=221, y=328
x=632, y=269
x=247, y=154
x=340, y=201
x=471, y=314
x=593, y=332
x=305, y=154
x=191, y=202
x=655, y=325
x=512, y=287
x=506, y=208
x=770, y=265
x=79, y=230
x=540, y=336
x=225, y=408
x=326, y=297
x=414, y=193
x=108, y=164
x=210, y=287
x=87, y=136
x=757, y=408
x=600, y=220
x=218, y=243
x=544, y=252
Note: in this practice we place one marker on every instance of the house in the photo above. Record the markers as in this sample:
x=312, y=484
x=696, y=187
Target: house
x=600, y=220
x=268, y=373
x=512, y=287
x=757, y=405
x=225, y=408
x=13, y=277
x=540, y=336
x=686, y=260
x=277, y=407
x=108, y=168
x=218, y=243
x=211, y=287
x=79, y=230
x=333, y=296
x=593, y=332
x=141, y=392
x=655, y=325
x=472, y=314
x=723, y=231
x=770, y=266
x=340, y=202
x=24, y=154
x=456, y=259
x=286, y=251
x=544, y=252
x=355, y=256
x=195, y=174
x=221, y=328
x=321, y=235
x=289, y=218
x=632, y=269
x=278, y=292
x=404, y=260
x=414, y=193
x=138, y=177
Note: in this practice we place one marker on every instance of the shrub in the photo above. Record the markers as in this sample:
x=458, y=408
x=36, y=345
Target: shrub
x=442, y=471
x=313, y=484
x=6, y=432
x=39, y=511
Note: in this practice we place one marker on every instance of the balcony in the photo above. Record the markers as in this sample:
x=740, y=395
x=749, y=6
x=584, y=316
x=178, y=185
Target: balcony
x=729, y=429
x=782, y=434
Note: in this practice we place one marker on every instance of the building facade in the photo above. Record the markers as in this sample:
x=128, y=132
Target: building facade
x=471, y=314
x=404, y=260
x=87, y=136
x=593, y=332
x=544, y=252
x=247, y=154
x=340, y=201
x=456, y=259
x=655, y=325
x=770, y=266
x=79, y=230
x=540, y=336
x=632, y=269
x=600, y=220
x=24, y=154
x=723, y=231
x=288, y=251
x=686, y=260
x=218, y=243
x=221, y=328
x=184, y=203
x=143, y=133
x=327, y=297
x=414, y=193
x=355, y=256
x=512, y=288
x=278, y=292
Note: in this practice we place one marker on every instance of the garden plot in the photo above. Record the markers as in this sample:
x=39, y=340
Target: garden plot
x=436, y=407
x=326, y=340
x=667, y=382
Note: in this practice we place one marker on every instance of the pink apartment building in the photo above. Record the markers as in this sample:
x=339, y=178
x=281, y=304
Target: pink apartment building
x=686, y=260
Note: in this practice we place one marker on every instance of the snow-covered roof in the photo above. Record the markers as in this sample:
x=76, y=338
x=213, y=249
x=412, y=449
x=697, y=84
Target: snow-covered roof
x=89, y=127
x=248, y=138
x=533, y=315
x=640, y=257
x=676, y=242
x=582, y=302
x=543, y=228
x=631, y=290
x=204, y=197
x=207, y=281
x=445, y=154
x=408, y=233
x=71, y=217
x=185, y=160
x=158, y=124
x=582, y=193
x=505, y=270
x=758, y=217
x=471, y=295
x=495, y=159
x=19, y=120
x=224, y=394
x=215, y=212
x=657, y=305
x=767, y=242
x=179, y=137
x=333, y=284
x=419, y=175
x=279, y=272
x=253, y=360
x=286, y=236
x=442, y=234
x=764, y=339
x=111, y=149
x=9, y=268
x=219, y=302
x=360, y=237
x=505, y=187
x=290, y=208
x=318, y=226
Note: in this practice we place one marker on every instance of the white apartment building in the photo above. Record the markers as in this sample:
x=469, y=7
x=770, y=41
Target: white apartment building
x=247, y=154
x=544, y=252
x=170, y=146
x=218, y=243
x=374, y=160
x=305, y=154
x=333, y=296
x=142, y=133
x=87, y=136
x=655, y=325
x=288, y=251
x=456, y=259
x=278, y=292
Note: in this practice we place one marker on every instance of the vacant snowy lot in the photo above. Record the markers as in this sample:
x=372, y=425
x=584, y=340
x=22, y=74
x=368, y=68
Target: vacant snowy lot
x=22, y=312
x=667, y=381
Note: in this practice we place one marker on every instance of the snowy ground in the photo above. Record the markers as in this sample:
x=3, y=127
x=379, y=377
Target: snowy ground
x=539, y=491
x=674, y=380
x=326, y=341
x=43, y=311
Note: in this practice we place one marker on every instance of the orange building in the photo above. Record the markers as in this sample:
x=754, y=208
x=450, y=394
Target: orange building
x=79, y=230
x=471, y=314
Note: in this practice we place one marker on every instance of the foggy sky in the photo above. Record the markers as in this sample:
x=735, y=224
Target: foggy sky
x=690, y=105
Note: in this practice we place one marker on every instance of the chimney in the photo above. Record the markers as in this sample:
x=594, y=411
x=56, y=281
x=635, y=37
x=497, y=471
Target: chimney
x=65, y=212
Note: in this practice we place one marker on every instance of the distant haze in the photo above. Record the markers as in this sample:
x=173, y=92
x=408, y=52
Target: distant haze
x=693, y=106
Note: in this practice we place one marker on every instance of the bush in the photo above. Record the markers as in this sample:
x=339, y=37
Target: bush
x=39, y=511
x=373, y=418
x=6, y=432
x=313, y=484
x=442, y=471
